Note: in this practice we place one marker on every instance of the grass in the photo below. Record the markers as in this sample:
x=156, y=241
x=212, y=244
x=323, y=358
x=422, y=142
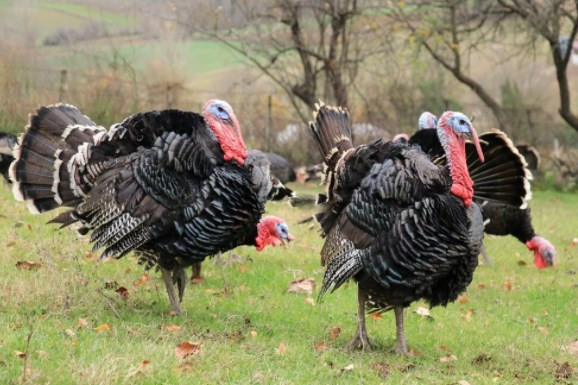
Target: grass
x=88, y=12
x=242, y=313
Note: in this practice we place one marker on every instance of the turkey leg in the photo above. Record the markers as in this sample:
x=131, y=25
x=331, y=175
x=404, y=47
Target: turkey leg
x=180, y=278
x=175, y=307
x=360, y=340
x=401, y=345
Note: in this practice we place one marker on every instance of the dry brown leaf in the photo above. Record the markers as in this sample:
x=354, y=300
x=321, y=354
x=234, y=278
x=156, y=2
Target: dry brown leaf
x=142, y=368
x=187, y=348
x=382, y=368
x=90, y=256
x=243, y=268
x=543, y=330
x=522, y=263
x=508, y=285
x=21, y=355
x=463, y=382
x=468, y=315
x=572, y=348
x=70, y=333
x=574, y=242
x=281, y=349
x=448, y=358
x=82, y=323
x=29, y=226
x=480, y=286
x=186, y=366
x=424, y=312
x=563, y=371
x=376, y=316
x=253, y=333
x=171, y=328
x=10, y=243
x=463, y=299
x=481, y=358
x=334, y=333
x=105, y=327
x=348, y=368
x=310, y=301
x=444, y=348
x=28, y=265
x=143, y=278
x=306, y=285
x=122, y=292
x=320, y=346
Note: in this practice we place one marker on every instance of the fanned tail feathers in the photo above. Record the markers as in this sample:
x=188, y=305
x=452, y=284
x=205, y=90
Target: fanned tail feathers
x=57, y=139
x=504, y=176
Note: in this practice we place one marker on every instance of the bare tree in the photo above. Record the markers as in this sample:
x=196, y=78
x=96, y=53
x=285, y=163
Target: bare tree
x=311, y=49
x=556, y=21
x=448, y=30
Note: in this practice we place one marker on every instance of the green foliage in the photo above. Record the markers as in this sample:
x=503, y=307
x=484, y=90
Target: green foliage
x=515, y=336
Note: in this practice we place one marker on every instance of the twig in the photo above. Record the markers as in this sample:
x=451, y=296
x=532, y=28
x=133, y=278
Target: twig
x=110, y=302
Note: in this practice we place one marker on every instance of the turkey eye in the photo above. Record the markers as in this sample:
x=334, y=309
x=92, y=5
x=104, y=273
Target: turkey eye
x=220, y=109
x=462, y=122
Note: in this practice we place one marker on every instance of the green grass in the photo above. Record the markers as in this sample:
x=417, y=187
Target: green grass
x=522, y=331
x=88, y=12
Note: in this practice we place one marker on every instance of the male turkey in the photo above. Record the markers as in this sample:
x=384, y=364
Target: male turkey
x=401, y=226
x=7, y=143
x=281, y=168
x=175, y=186
x=504, y=164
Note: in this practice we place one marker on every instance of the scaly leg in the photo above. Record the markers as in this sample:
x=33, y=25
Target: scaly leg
x=485, y=255
x=401, y=345
x=175, y=307
x=360, y=340
x=180, y=278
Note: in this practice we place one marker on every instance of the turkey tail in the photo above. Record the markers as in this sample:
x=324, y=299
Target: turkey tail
x=331, y=128
x=7, y=144
x=56, y=140
x=504, y=176
x=279, y=190
x=307, y=200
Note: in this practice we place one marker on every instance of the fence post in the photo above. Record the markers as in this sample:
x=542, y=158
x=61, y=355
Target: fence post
x=269, y=125
x=62, y=87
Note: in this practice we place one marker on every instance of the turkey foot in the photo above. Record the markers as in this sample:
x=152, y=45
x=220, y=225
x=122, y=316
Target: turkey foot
x=360, y=340
x=175, y=307
x=180, y=279
x=401, y=345
x=197, y=277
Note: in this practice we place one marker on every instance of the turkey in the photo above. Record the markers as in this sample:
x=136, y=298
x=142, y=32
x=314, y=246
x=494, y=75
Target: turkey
x=401, y=226
x=7, y=143
x=174, y=186
x=281, y=168
x=505, y=217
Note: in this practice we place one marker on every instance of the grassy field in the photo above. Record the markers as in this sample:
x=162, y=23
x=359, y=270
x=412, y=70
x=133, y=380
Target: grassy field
x=63, y=322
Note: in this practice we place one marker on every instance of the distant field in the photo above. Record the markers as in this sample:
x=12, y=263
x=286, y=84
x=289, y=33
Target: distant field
x=514, y=326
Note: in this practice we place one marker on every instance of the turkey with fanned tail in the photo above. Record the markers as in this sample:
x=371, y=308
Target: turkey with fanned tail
x=174, y=186
x=502, y=186
x=401, y=226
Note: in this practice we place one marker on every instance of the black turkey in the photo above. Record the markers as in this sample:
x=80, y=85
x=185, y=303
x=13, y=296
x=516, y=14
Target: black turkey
x=7, y=144
x=503, y=164
x=401, y=226
x=174, y=186
x=281, y=168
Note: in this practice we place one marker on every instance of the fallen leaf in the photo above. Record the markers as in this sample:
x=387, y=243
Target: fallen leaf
x=463, y=299
x=444, y=348
x=531, y=320
x=123, y=292
x=171, y=328
x=448, y=358
x=572, y=348
x=82, y=323
x=382, y=368
x=128, y=270
x=253, y=333
x=10, y=243
x=320, y=346
x=28, y=265
x=574, y=242
x=21, y=355
x=424, y=312
x=142, y=368
x=480, y=286
x=306, y=285
x=143, y=278
x=481, y=358
x=463, y=382
x=243, y=268
x=281, y=349
x=563, y=371
x=29, y=226
x=90, y=256
x=110, y=285
x=376, y=316
x=334, y=333
x=469, y=315
x=310, y=301
x=186, y=366
x=70, y=333
x=187, y=348
x=105, y=327
x=508, y=285
x=348, y=368
x=522, y=263
x=543, y=330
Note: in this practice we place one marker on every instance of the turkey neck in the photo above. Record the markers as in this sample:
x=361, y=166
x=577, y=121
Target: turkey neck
x=455, y=149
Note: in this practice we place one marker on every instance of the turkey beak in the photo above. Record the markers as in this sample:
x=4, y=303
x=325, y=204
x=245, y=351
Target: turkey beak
x=474, y=136
x=289, y=238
